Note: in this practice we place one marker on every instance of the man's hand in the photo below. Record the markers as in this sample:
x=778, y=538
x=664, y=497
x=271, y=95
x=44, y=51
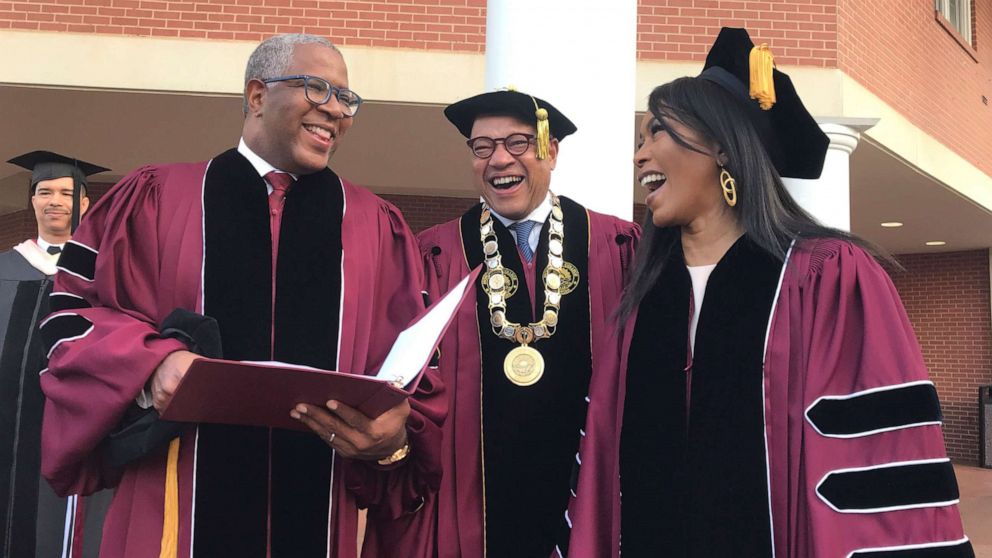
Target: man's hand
x=352, y=433
x=167, y=376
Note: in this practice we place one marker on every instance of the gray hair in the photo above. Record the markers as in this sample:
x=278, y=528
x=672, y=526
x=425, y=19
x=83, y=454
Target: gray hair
x=272, y=55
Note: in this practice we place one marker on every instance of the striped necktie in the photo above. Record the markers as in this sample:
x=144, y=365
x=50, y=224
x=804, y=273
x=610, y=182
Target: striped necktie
x=522, y=229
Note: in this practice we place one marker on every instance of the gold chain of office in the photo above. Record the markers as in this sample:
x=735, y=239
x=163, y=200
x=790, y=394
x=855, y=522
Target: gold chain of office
x=524, y=365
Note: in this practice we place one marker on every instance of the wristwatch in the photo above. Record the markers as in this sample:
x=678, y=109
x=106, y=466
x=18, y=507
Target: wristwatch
x=397, y=455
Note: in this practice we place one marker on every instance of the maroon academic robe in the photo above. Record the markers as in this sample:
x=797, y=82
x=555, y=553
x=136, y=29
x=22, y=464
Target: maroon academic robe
x=593, y=511
x=139, y=254
x=855, y=457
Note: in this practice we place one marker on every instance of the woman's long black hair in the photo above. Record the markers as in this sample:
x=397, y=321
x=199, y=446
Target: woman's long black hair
x=767, y=213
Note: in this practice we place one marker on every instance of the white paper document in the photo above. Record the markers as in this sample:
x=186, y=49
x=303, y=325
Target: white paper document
x=414, y=345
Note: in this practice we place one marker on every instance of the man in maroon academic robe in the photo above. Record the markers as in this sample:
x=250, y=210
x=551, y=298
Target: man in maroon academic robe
x=294, y=264
x=529, y=470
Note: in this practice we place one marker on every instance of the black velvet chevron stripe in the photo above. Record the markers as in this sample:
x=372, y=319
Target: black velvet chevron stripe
x=961, y=550
x=60, y=328
x=65, y=301
x=877, y=411
x=78, y=260
x=890, y=487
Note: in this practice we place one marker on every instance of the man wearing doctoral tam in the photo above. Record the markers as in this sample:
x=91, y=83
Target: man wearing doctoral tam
x=286, y=261
x=533, y=366
x=776, y=401
x=34, y=521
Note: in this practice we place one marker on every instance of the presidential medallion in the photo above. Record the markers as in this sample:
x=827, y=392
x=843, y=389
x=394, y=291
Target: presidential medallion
x=524, y=366
x=568, y=276
x=501, y=283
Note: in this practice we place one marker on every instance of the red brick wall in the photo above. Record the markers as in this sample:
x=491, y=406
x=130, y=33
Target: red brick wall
x=15, y=227
x=900, y=52
x=803, y=32
x=422, y=212
x=800, y=32
x=640, y=210
x=947, y=298
x=423, y=24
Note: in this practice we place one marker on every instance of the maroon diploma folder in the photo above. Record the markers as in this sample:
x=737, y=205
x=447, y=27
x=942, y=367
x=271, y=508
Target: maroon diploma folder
x=263, y=393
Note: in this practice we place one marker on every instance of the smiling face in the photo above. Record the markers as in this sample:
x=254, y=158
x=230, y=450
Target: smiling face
x=283, y=127
x=683, y=184
x=512, y=185
x=52, y=203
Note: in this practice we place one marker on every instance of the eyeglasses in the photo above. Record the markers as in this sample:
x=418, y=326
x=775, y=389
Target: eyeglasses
x=319, y=91
x=515, y=144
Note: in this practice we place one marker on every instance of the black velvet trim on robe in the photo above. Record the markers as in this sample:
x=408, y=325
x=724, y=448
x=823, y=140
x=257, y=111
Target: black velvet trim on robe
x=65, y=301
x=693, y=479
x=233, y=463
x=890, y=486
x=78, y=260
x=63, y=327
x=961, y=550
x=531, y=434
x=867, y=413
x=22, y=302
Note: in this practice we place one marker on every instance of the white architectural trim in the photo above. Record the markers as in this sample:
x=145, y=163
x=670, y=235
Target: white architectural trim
x=92, y=61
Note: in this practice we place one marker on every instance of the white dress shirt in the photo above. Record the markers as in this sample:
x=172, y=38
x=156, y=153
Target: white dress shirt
x=540, y=215
x=261, y=165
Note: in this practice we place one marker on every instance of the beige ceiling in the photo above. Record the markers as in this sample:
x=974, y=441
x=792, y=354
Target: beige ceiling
x=884, y=188
x=404, y=148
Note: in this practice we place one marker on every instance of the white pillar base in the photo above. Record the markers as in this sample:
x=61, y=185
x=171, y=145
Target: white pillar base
x=828, y=198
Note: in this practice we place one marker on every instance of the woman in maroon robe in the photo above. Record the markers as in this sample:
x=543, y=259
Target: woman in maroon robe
x=777, y=403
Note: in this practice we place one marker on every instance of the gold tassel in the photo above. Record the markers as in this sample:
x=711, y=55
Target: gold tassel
x=543, y=134
x=543, y=131
x=762, y=84
x=170, y=523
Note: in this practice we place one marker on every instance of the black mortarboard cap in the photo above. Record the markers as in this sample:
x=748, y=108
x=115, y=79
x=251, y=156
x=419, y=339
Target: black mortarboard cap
x=45, y=165
x=506, y=103
x=788, y=132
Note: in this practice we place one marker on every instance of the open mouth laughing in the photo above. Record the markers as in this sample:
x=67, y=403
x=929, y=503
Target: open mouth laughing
x=505, y=182
x=321, y=133
x=653, y=180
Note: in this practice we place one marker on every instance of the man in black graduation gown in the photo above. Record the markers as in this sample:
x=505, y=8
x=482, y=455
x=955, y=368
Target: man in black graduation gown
x=34, y=521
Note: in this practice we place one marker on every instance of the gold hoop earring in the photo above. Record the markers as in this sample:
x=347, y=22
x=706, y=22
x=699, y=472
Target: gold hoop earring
x=729, y=186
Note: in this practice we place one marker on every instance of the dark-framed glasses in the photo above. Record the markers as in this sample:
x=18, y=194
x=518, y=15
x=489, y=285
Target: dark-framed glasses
x=516, y=144
x=319, y=91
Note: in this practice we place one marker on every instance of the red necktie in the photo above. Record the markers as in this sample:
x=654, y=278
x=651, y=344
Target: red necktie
x=281, y=182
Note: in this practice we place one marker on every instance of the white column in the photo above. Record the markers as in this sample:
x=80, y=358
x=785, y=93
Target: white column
x=828, y=198
x=580, y=56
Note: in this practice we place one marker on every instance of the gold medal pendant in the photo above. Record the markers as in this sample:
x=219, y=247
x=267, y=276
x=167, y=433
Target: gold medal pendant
x=524, y=366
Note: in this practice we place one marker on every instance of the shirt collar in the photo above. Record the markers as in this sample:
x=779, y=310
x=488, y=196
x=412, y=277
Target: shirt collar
x=540, y=213
x=44, y=244
x=262, y=167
